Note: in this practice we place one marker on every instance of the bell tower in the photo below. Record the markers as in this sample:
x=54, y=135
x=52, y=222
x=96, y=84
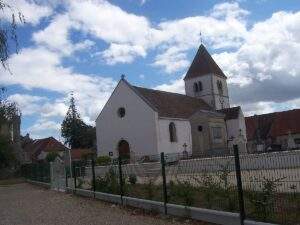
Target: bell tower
x=205, y=80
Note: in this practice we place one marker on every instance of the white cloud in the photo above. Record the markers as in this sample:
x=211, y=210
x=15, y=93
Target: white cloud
x=43, y=128
x=32, y=11
x=29, y=104
x=130, y=36
x=56, y=36
x=44, y=71
x=227, y=9
x=173, y=59
x=122, y=53
x=175, y=86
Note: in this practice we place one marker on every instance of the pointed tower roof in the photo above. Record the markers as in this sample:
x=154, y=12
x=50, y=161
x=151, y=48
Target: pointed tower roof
x=203, y=64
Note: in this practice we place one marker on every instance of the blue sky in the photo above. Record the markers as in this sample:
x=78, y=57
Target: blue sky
x=84, y=47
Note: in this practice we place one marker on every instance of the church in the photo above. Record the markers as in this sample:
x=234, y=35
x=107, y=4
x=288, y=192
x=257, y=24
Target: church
x=138, y=121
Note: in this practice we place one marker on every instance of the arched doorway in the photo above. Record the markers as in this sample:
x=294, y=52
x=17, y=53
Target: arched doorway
x=124, y=150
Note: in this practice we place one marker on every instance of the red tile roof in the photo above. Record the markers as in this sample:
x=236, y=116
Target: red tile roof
x=273, y=124
x=203, y=64
x=173, y=105
x=50, y=144
x=78, y=153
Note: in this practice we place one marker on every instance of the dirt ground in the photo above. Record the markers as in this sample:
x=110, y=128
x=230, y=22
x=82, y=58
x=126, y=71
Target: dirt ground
x=22, y=203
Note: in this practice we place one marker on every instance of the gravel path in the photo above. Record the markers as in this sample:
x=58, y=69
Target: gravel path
x=30, y=205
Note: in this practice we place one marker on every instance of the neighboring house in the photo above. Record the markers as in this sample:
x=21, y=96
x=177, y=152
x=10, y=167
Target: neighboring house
x=11, y=130
x=37, y=150
x=274, y=131
x=138, y=121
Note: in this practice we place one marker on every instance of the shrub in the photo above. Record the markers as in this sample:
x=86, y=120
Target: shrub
x=7, y=157
x=263, y=201
x=183, y=191
x=132, y=179
x=51, y=156
x=80, y=183
x=103, y=160
x=150, y=189
x=108, y=183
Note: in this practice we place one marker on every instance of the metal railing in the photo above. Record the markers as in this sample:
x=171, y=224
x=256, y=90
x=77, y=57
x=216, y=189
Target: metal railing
x=263, y=187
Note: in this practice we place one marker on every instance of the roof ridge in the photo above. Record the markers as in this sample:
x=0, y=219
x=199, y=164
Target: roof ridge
x=290, y=110
x=168, y=92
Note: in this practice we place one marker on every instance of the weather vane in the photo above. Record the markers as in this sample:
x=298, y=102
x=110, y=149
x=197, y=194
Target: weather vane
x=201, y=38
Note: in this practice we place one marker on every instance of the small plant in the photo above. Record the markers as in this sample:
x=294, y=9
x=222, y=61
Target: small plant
x=263, y=201
x=108, y=183
x=150, y=189
x=80, y=183
x=209, y=188
x=51, y=156
x=132, y=179
x=183, y=190
x=103, y=160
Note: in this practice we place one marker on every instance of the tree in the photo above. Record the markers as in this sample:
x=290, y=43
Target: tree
x=51, y=156
x=8, y=34
x=8, y=109
x=76, y=133
x=6, y=153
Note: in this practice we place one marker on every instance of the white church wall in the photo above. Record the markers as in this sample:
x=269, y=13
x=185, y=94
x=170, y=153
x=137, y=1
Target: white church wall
x=137, y=127
x=183, y=132
x=233, y=129
x=205, y=94
x=220, y=98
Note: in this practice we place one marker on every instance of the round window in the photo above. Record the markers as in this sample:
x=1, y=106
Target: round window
x=121, y=112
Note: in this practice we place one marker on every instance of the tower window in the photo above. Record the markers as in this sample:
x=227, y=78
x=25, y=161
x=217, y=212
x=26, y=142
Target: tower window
x=121, y=112
x=220, y=86
x=200, y=86
x=196, y=89
x=172, y=131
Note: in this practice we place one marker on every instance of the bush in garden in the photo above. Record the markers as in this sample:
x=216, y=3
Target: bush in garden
x=51, y=156
x=226, y=190
x=132, y=179
x=103, y=160
x=149, y=187
x=209, y=188
x=80, y=183
x=183, y=191
x=108, y=183
x=263, y=201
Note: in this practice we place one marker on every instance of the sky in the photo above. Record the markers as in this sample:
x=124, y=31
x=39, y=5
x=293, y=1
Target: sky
x=83, y=47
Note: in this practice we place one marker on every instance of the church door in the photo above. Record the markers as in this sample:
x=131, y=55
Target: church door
x=124, y=150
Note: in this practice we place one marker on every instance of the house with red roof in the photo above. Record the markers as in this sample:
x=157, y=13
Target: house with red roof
x=37, y=150
x=273, y=131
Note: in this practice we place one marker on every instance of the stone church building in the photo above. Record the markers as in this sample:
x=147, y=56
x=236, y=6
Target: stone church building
x=139, y=121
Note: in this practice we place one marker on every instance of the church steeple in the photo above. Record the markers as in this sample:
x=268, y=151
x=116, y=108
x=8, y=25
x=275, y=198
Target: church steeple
x=205, y=80
x=203, y=64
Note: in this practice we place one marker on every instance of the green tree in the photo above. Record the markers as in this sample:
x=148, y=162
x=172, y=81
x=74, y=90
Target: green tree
x=6, y=153
x=76, y=133
x=51, y=156
x=8, y=32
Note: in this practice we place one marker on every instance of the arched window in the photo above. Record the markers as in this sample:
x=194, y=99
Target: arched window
x=220, y=86
x=196, y=87
x=200, y=86
x=172, y=131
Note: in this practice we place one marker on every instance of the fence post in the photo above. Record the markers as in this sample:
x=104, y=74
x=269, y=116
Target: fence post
x=66, y=172
x=120, y=178
x=239, y=183
x=94, y=177
x=163, y=173
x=74, y=175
